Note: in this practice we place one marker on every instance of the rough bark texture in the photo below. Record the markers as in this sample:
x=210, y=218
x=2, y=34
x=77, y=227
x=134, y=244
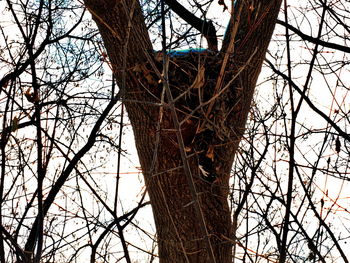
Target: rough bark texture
x=211, y=128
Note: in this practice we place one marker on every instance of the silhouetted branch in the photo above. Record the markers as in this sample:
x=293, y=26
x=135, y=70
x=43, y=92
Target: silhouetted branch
x=204, y=26
x=314, y=39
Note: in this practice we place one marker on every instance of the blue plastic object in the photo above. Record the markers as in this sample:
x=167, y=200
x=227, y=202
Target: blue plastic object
x=182, y=52
x=185, y=52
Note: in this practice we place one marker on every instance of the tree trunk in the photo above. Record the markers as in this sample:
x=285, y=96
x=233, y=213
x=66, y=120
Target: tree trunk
x=212, y=109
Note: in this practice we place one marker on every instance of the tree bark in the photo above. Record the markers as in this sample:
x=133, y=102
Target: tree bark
x=213, y=93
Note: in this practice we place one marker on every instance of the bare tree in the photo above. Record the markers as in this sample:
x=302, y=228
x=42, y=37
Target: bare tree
x=57, y=126
x=289, y=182
x=230, y=176
x=188, y=115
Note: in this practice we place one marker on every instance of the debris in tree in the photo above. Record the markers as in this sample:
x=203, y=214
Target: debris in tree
x=31, y=96
x=204, y=172
x=222, y=2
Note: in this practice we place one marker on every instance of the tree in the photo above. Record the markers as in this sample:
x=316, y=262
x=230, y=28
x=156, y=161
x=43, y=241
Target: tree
x=62, y=123
x=187, y=119
x=50, y=120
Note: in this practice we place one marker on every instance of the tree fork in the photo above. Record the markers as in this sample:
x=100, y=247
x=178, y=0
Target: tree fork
x=216, y=141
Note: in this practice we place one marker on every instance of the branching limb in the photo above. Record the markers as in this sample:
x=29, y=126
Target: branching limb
x=204, y=26
x=314, y=39
x=309, y=102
